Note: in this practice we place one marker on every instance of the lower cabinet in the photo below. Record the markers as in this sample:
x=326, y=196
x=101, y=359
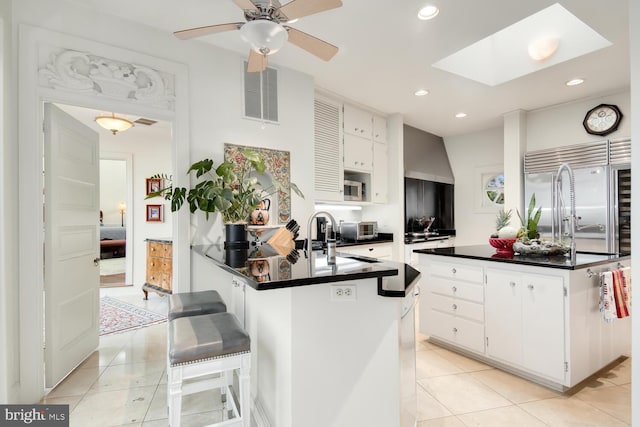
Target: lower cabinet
x=526, y=322
x=374, y=250
x=452, y=307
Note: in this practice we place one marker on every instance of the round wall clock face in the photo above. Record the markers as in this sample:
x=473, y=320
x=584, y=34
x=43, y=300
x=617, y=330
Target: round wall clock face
x=602, y=120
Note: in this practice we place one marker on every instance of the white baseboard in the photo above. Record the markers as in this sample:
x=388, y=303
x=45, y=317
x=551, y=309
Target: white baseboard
x=258, y=415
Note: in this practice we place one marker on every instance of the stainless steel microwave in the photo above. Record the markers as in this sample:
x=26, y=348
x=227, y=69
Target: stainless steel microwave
x=358, y=230
x=354, y=190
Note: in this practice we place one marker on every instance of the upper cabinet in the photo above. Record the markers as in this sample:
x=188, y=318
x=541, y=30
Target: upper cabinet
x=357, y=122
x=380, y=129
x=328, y=150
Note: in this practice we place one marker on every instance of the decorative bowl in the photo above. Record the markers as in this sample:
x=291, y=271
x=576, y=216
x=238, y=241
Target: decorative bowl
x=504, y=246
x=537, y=247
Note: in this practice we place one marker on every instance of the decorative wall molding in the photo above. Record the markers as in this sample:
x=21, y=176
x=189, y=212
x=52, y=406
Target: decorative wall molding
x=83, y=72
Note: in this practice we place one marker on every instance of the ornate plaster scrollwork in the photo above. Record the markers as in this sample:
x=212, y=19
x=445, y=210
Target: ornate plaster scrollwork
x=82, y=72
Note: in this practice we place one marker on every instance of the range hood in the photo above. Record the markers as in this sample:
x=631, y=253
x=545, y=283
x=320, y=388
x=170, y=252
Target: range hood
x=425, y=156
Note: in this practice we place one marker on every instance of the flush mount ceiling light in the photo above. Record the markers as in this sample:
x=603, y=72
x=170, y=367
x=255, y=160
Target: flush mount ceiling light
x=265, y=37
x=113, y=123
x=428, y=12
x=421, y=92
x=503, y=56
x=543, y=48
x=574, y=82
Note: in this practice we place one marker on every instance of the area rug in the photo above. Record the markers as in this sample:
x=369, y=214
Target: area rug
x=119, y=316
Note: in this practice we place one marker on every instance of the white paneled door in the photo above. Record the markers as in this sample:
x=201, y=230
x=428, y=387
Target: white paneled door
x=71, y=217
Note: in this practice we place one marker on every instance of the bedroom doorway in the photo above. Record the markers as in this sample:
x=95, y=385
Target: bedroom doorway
x=113, y=231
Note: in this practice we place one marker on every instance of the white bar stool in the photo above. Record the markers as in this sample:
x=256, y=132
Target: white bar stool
x=200, y=346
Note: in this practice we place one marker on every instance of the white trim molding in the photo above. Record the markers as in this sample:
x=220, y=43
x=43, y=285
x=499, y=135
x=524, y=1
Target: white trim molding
x=60, y=68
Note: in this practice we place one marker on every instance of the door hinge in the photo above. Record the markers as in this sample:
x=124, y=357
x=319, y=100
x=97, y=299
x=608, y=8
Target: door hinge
x=565, y=291
x=566, y=366
x=487, y=338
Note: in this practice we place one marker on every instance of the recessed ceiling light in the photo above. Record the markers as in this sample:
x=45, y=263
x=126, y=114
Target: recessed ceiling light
x=574, y=82
x=421, y=92
x=461, y=115
x=428, y=12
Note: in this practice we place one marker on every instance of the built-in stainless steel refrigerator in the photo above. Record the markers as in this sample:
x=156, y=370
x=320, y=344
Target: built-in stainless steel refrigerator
x=602, y=174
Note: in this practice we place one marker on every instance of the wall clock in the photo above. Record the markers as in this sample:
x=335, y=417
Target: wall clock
x=602, y=120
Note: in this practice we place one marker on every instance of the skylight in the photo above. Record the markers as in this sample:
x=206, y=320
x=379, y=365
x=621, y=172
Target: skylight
x=504, y=56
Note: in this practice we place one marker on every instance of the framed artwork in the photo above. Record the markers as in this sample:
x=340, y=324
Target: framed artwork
x=153, y=185
x=154, y=213
x=278, y=166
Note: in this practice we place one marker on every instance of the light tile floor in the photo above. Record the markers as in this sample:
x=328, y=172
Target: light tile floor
x=124, y=383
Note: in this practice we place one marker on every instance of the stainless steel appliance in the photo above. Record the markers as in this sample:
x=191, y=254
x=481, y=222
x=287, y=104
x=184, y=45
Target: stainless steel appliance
x=358, y=230
x=602, y=174
x=354, y=190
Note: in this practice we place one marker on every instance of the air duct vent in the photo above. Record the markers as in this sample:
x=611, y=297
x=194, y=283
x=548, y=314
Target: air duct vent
x=261, y=94
x=146, y=122
x=578, y=156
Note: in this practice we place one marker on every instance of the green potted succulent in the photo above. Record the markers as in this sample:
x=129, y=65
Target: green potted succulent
x=231, y=191
x=529, y=228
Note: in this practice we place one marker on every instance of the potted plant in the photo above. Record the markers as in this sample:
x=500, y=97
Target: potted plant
x=529, y=229
x=231, y=191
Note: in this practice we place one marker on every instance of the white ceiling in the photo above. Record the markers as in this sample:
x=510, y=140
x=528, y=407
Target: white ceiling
x=386, y=53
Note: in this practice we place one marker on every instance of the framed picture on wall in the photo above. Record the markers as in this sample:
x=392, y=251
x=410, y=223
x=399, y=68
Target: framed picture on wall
x=154, y=213
x=153, y=185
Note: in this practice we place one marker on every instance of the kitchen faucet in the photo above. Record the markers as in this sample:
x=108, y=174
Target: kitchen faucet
x=334, y=224
x=558, y=218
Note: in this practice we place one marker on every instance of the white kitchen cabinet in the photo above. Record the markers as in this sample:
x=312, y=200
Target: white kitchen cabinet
x=411, y=258
x=451, y=305
x=328, y=150
x=374, y=250
x=357, y=121
x=380, y=186
x=379, y=129
x=358, y=153
x=525, y=321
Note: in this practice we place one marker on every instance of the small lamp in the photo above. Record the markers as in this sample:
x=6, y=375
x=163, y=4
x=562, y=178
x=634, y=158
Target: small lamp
x=114, y=123
x=122, y=207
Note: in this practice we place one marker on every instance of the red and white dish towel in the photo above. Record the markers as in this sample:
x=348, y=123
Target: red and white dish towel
x=615, y=293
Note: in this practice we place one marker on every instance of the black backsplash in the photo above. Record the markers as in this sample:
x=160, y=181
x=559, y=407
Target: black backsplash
x=424, y=199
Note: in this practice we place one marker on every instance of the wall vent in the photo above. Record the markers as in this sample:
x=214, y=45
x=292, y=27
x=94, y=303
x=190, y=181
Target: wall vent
x=261, y=94
x=146, y=122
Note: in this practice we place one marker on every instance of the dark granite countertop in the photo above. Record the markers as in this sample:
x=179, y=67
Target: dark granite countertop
x=264, y=269
x=488, y=253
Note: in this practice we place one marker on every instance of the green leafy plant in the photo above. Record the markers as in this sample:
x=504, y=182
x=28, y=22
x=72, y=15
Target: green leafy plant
x=221, y=188
x=530, y=226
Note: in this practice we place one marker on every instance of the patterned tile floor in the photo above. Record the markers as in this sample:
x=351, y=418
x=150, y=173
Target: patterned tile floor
x=124, y=383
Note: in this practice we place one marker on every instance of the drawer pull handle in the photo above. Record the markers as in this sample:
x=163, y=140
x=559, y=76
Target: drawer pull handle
x=530, y=286
x=512, y=284
x=455, y=330
x=454, y=289
x=370, y=249
x=454, y=306
x=453, y=270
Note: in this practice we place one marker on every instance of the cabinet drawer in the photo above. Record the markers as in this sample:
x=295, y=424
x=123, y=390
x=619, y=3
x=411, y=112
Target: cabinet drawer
x=457, y=272
x=453, y=288
x=155, y=249
x=457, y=307
x=167, y=250
x=154, y=277
x=372, y=251
x=165, y=282
x=167, y=266
x=463, y=332
x=155, y=263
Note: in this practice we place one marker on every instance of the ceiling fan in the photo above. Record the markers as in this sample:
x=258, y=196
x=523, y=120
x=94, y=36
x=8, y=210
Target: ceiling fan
x=266, y=32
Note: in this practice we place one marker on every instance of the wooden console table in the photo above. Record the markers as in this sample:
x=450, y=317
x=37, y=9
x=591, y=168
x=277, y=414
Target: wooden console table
x=159, y=267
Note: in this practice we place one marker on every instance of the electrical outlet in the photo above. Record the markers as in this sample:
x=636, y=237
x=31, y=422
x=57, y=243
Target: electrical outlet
x=343, y=292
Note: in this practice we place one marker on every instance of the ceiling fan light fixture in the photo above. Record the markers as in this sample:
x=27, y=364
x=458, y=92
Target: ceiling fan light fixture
x=428, y=12
x=113, y=123
x=265, y=37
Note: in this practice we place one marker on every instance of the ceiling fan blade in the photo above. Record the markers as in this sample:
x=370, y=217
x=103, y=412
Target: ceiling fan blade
x=299, y=8
x=257, y=62
x=313, y=45
x=245, y=4
x=209, y=29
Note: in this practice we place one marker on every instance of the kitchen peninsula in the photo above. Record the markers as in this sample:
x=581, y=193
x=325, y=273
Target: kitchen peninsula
x=332, y=345
x=537, y=317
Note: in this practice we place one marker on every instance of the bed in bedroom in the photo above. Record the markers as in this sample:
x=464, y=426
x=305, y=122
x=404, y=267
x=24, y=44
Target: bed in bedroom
x=113, y=241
